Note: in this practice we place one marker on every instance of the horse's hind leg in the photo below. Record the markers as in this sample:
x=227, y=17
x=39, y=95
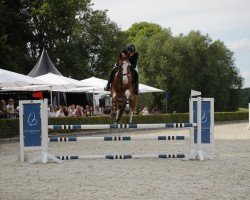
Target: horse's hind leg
x=133, y=104
x=131, y=116
x=117, y=118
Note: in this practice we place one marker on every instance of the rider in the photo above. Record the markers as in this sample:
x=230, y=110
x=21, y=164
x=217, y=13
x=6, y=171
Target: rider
x=133, y=56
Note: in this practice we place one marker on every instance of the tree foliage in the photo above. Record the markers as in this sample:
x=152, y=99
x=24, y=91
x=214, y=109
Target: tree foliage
x=182, y=63
x=81, y=41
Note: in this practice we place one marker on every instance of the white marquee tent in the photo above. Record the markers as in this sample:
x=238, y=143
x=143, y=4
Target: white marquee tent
x=99, y=85
x=10, y=79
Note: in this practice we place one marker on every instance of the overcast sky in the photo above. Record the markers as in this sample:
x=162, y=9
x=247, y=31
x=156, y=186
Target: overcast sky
x=226, y=20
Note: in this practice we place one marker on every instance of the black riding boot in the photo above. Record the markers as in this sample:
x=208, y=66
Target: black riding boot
x=136, y=88
x=111, y=77
x=136, y=85
x=107, y=87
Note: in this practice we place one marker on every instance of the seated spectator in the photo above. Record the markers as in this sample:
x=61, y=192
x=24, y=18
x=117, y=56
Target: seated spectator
x=145, y=111
x=79, y=112
x=88, y=110
x=3, y=107
x=72, y=110
x=155, y=110
x=65, y=111
x=60, y=112
x=10, y=106
x=97, y=111
x=52, y=112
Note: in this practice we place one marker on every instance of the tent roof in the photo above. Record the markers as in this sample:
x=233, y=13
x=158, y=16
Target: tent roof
x=93, y=81
x=54, y=79
x=43, y=66
x=98, y=85
x=13, y=79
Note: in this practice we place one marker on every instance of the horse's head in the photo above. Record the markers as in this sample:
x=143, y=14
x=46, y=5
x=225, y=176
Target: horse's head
x=123, y=67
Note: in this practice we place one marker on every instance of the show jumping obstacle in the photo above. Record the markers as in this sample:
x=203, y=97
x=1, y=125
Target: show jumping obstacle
x=200, y=126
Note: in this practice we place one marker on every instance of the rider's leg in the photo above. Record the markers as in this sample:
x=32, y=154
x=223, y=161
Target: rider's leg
x=111, y=77
x=135, y=81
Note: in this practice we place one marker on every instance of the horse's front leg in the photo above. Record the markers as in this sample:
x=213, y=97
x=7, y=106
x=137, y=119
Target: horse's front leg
x=127, y=94
x=128, y=107
x=113, y=111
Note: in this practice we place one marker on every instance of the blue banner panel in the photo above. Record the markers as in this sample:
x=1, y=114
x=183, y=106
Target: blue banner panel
x=32, y=129
x=205, y=121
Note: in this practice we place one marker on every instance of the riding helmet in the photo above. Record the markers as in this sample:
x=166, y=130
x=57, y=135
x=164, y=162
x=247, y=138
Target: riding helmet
x=131, y=48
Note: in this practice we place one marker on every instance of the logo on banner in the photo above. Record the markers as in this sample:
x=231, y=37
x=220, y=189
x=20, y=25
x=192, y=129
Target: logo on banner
x=204, y=116
x=32, y=121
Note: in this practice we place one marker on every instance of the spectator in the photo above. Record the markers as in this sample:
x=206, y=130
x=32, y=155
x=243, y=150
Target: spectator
x=145, y=111
x=87, y=111
x=97, y=111
x=3, y=108
x=60, y=112
x=52, y=112
x=65, y=111
x=10, y=106
x=79, y=112
x=72, y=110
x=155, y=110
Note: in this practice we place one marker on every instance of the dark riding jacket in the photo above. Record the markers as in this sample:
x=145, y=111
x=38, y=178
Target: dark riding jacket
x=133, y=60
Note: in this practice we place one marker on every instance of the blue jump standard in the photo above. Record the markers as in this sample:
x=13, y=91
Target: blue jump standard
x=126, y=156
x=120, y=126
x=112, y=138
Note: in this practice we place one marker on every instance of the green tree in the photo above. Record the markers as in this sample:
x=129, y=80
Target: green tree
x=14, y=35
x=182, y=63
x=81, y=41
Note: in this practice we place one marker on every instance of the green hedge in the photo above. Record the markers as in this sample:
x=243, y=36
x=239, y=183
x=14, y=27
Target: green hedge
x=10, y=127
x=230, y=116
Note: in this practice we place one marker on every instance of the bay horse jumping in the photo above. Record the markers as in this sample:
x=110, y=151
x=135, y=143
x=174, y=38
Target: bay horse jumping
x=122, y=90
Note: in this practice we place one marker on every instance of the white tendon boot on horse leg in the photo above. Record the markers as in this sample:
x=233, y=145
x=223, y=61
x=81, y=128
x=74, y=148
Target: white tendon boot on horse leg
x=127, y=94
x=117, y=115
x=131, y=116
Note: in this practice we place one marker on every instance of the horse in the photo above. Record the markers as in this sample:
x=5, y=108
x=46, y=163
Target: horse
x=122, y=90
